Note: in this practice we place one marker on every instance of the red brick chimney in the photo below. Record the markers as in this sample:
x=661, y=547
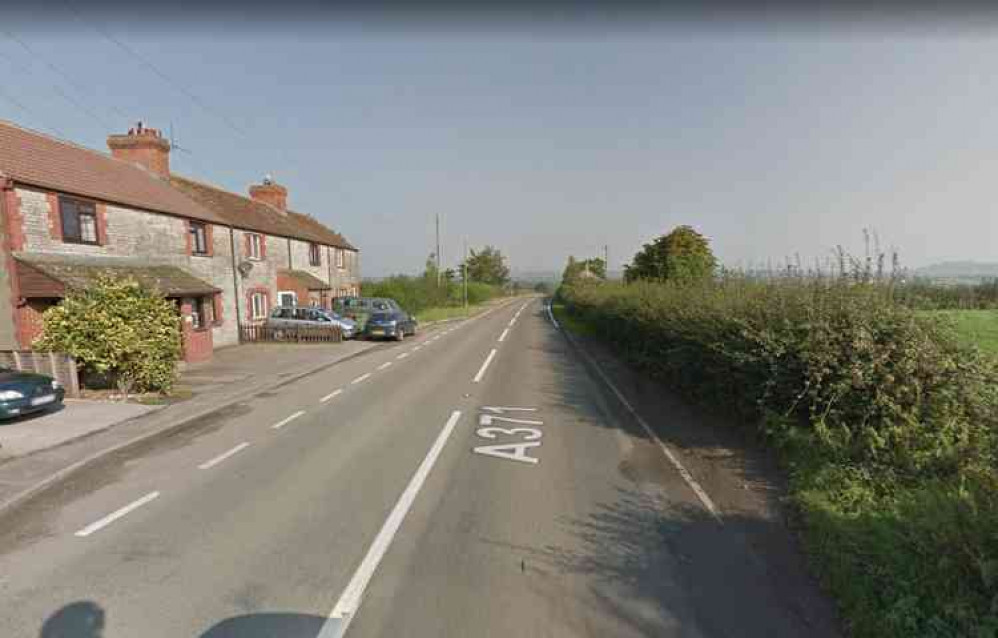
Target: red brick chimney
x=142, y=146
x=270, y=192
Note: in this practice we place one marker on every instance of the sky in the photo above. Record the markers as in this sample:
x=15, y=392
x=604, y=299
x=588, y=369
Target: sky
x=550, y=139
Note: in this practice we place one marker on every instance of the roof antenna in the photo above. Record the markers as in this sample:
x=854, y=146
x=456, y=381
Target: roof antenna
x=173, y=142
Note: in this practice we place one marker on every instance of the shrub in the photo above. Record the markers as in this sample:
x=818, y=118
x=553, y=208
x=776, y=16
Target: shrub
x=118, y=328
x=886, y=424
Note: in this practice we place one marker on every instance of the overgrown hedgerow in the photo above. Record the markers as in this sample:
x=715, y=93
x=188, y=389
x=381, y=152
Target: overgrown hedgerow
x=886, y=423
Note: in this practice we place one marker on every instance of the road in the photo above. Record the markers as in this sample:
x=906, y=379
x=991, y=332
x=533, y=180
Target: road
x=475, y=481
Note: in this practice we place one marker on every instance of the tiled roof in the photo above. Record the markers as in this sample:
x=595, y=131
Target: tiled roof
x=245, y=212
x=80, y=272
x=36, y=159
x=306, y=279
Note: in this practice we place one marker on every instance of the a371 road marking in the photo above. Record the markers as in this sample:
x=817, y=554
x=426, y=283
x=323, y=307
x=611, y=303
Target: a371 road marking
x=516, y=451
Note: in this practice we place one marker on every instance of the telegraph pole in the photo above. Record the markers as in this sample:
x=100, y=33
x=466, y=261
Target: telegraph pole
x=437, y=253
x=466, y=276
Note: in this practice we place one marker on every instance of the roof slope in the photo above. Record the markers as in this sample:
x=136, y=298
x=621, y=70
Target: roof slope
x=245, y=212
x=81, y=272
x=35, y=159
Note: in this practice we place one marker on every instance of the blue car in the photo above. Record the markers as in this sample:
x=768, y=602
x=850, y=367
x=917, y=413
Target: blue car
x=395, y=324
x=26, y=392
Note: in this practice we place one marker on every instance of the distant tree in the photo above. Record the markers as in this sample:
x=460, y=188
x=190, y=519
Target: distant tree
x=683, y=255
x=488, y=266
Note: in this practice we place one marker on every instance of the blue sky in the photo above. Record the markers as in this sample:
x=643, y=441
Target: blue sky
x=550, y=141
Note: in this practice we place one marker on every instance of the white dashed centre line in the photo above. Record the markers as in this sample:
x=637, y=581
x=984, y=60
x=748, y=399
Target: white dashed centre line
x=502, y=337
x=113, y=516
x=349, y=603
x=485, y=366
x=512, y=322
x=403, y=355
x=282, y=423
x=386, y=364
x=361, y=378
x=334, y=393
x=221, y=457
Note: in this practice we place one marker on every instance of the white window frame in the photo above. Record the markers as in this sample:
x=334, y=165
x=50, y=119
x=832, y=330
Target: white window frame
x=261, y=311
x=280, y=297
x=255, y=243
x=339, y=258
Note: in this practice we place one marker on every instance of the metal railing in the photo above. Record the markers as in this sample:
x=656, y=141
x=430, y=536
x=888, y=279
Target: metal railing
x=297, y=334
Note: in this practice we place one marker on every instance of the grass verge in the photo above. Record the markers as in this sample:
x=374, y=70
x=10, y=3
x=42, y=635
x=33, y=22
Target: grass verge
x=974, y=327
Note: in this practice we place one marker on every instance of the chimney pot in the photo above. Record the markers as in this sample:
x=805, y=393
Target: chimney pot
x=270, y=192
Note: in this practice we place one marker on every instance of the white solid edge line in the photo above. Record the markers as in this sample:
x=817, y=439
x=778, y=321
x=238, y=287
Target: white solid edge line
x=403, y=355
x=221, y=457
x=280, y=424
x=334, y=393
x=363, y=377
x=502, y=337
x=673, y=459
x=554, y=321
x=485, y=366
x=115, y=515
x=349, y=602
x=386, y=364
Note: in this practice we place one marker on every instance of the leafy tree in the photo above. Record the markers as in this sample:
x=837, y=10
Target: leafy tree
x=586, y=268
x=488, y=266
x=119, y=328
x=683, y=255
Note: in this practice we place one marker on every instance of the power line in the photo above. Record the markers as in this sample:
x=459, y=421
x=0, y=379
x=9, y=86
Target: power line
x=63, y=94
x=55, y=69
x=24, y=108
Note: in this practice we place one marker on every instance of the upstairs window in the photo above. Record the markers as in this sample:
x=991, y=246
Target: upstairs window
x=254, y=244
x=314, y=255
x=79, y=221
x=339, y=257
x=199, y=238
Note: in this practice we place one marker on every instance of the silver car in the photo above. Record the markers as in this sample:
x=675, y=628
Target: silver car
x=293, y=317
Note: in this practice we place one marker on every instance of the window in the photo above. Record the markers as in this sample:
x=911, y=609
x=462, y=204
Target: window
x=201, y=312
x=254, y=244
x=258, y=301
x=314, y=255
x=79, y=221
x=199, y=239
x=286, y=298
x=339, y=257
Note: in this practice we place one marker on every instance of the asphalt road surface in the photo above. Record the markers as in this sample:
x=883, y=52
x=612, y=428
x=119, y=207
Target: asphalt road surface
x=477, y=480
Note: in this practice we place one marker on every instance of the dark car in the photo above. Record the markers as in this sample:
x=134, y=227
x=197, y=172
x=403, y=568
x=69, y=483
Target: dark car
x=26, y=392
x=359, y=309
x=394, y=324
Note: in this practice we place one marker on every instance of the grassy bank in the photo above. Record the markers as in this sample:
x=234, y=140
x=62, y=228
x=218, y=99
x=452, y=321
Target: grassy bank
x=448, y=312
x=885, y=422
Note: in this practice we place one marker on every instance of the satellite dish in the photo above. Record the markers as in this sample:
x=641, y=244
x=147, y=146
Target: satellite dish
x=244, y=268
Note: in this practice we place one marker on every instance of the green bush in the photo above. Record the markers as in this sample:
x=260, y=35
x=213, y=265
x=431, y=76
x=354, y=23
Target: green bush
x=416, y=294
x=120, y=329
x=886, y=423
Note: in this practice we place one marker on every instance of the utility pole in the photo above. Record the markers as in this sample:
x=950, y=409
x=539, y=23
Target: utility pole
x=437, y=253
x=466, y=276
x=606, y=261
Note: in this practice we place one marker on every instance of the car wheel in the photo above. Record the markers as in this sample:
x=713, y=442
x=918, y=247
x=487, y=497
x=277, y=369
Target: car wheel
x=400, y=334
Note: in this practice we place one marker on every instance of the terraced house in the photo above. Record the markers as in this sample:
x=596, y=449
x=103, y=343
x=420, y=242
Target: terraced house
x=70, y=214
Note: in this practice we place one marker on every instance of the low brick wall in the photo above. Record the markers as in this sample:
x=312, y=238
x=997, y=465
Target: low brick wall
x=60, y=366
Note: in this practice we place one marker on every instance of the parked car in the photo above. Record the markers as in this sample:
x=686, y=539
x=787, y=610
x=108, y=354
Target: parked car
x=26, y=392
x=295, y=316
x=394, y=324
x=360, y=309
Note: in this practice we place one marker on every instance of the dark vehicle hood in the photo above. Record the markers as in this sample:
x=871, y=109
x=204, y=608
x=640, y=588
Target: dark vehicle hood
x=13, y=378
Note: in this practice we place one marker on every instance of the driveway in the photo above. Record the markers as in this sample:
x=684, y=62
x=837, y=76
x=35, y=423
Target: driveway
x=77, y=418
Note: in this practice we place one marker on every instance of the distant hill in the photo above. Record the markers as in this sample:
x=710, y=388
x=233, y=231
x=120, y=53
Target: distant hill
x=959, y=270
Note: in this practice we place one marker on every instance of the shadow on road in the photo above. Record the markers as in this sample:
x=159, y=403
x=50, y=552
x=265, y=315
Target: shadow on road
x=86, y=619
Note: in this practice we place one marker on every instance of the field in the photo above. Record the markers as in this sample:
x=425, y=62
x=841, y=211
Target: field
x=975, y=327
